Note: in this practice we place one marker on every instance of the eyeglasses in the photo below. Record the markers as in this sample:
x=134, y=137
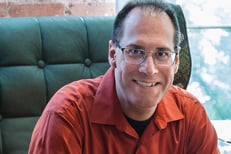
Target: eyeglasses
x=161, y=57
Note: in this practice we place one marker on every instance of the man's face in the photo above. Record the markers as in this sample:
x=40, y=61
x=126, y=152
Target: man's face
x=142, y=86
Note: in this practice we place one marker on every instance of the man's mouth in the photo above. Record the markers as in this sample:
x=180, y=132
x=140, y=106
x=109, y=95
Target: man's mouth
x=146, y=84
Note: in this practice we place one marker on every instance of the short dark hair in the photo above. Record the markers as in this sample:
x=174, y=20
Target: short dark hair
x=156, y=6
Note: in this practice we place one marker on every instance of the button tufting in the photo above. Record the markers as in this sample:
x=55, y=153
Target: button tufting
x=41, y=64
x=87, y=62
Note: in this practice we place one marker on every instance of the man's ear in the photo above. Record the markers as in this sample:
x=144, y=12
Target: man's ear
x=176, y=68
x=177, y=60
x=112, y=54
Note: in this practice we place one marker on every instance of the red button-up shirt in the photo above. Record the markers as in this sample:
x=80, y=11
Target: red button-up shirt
x=84, y=117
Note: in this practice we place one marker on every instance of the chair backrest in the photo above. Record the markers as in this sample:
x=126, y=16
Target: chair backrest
x=39, y=55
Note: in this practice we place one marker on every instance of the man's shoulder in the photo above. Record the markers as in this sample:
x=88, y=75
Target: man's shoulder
x=82, y=85
x=75, y=94
x=186, y=102
x=182, y=93
x=184, y=99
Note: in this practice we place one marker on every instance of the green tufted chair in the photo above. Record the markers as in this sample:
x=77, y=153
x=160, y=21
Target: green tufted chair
x=38, y=55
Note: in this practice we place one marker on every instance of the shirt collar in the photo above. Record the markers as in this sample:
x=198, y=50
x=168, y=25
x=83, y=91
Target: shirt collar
x=106, y=108
x=168, y=110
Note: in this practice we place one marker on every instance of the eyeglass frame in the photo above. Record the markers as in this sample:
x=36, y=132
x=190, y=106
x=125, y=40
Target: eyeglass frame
x=173, y=53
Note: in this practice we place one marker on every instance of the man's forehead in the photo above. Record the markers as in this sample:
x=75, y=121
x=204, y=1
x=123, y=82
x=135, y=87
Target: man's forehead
x=144, y=11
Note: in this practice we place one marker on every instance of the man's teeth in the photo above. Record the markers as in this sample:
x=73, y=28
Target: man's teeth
x=146, y=84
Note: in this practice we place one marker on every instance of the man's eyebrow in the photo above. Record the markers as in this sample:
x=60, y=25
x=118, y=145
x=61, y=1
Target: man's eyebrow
x=135, y=46
x=162, y=48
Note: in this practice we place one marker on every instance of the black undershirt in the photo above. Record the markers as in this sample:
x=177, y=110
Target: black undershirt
x=139, y=126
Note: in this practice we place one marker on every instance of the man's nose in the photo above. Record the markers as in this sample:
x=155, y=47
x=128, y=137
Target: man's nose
x=148, y=66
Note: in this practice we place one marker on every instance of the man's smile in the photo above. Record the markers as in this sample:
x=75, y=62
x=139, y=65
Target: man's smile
x=146, y=84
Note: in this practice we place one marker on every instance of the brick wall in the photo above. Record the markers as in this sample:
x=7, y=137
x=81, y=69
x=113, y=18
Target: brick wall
x=18, y=8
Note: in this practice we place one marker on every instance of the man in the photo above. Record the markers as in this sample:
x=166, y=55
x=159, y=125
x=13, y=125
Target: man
x=133, y=108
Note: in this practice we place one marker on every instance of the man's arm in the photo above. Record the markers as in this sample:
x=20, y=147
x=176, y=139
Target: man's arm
x=202, y=137
x=54, y=134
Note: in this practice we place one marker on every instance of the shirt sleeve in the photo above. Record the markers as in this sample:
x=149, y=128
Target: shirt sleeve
x=54, y=134
x=62, y=127
x=202, y=135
